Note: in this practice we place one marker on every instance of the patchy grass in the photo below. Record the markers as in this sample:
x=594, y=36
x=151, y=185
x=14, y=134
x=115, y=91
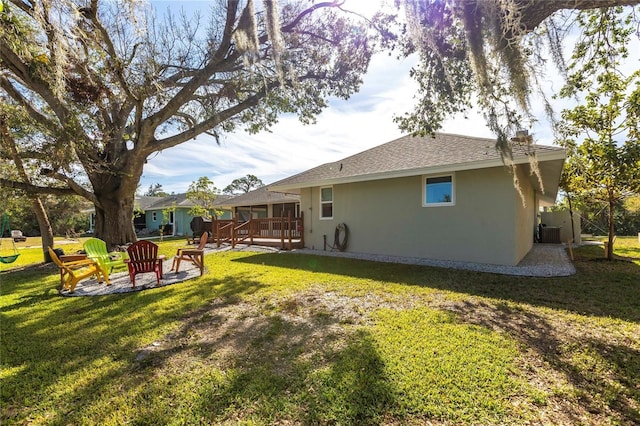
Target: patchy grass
x=284, y=338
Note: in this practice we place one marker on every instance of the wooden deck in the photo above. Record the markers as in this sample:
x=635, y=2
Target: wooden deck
x=286, y=233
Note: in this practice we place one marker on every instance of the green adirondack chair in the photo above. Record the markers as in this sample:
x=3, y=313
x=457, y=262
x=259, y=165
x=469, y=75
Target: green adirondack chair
x=97, y=249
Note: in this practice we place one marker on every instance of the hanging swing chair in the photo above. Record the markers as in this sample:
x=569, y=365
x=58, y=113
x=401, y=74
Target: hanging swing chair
x=6, y=225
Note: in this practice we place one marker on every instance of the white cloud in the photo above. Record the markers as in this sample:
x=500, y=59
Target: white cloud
x=344, y=128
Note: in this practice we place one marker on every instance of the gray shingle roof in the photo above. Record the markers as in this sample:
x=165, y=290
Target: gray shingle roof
x=411, y=155
x=143, y=201
x=180, y=200
x=261, y=196
x=177, y=200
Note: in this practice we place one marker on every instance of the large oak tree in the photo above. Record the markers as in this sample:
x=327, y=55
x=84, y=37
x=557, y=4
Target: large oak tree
x=487, y=54
x=111, y=83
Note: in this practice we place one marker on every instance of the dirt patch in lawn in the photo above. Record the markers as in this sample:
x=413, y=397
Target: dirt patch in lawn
x=311, y=326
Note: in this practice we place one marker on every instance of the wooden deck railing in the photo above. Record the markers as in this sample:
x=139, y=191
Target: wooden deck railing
x=223, y=231
x=274, y=230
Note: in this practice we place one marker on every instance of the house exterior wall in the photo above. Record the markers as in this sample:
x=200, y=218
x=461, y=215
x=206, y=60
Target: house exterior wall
x=562, y=219
x=387, y=217
x=153, y=219
x=525, y=207
x=182, y=222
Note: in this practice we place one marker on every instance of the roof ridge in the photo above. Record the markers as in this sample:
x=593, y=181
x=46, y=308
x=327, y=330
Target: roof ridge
x=410, y=136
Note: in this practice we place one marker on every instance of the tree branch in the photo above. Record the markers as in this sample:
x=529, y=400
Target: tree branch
x=116, y=63
x=39, y=86
x=536, y=11
x=212, y=122
x=27, y=155
x=73, y=186
x=220, y=56
x=31, y=110
x=291, y=25
x=34, y=189
x=26, y=8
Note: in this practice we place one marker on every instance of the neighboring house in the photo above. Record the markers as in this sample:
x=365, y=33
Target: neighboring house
x=149, y=213
x=260, y=203
x=448, y=197
x=141, y=203
x=179, y=220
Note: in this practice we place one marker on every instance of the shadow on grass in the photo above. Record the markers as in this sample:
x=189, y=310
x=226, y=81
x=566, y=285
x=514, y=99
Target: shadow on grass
x=86, y=351
x=610, y=289
x=292, y=361
x=47, y=339
x=605, y=375
x=350, y=389
x=251, y=364
x=82, y=355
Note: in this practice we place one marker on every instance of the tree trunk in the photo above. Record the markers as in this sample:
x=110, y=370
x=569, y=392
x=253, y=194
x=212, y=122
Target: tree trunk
x=611, y=230
x=9, y=143
x=115, y=202
x=45, y=227
x=114, y=220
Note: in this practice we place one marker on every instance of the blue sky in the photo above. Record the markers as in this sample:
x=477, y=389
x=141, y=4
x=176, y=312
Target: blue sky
x=343, y=129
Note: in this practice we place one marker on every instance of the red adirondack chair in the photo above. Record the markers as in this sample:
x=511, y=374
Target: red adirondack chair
x=143, y=258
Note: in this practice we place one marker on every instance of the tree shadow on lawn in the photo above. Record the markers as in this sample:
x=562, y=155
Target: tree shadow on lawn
x=237, y=361
x=604, y=371
x=609, y=289
x=46, y=338
x=295, y=359
x=72, y=360
x=285, y=369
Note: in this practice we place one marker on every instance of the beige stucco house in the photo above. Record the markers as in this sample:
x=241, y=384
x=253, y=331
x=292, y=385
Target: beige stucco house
x=449, y=197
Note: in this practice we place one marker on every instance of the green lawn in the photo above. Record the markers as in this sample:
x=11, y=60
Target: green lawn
x=283, y=338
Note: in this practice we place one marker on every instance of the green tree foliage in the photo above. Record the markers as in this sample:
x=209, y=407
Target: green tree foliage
x=605, y=168
x=155, y=190
x=203, y=194
x=69, y=214
x=111, y=82
x=487, y=54
x=243, y=185
x=64, y=213
x=595, y=216
x=15, y=124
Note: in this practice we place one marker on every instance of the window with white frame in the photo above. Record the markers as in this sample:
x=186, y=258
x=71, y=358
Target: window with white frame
x=154, y=216
x=326, y=202
x=438, y=191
